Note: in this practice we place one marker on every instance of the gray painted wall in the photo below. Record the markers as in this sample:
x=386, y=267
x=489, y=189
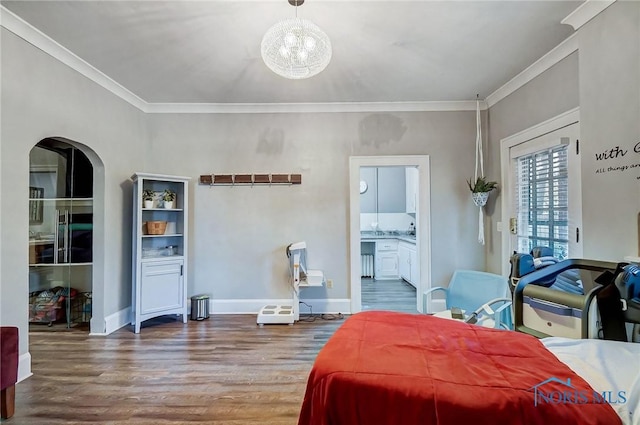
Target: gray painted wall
x=603, y=78
x=610, y=115
x=42, y=98
x=239, y=234
x=550, y=94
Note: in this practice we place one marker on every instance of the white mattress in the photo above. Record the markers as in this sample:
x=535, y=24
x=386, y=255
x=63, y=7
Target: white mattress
x=606, y=366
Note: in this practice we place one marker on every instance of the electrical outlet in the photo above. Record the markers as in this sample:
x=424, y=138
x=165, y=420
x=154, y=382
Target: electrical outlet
x=329, y=283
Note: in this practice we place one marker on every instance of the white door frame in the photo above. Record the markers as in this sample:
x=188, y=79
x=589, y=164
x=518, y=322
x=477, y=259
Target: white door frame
x=423, y=220
x=567, y=118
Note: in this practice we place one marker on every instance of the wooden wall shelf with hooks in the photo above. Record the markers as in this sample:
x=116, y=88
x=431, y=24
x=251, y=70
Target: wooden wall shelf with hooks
x=250, y=179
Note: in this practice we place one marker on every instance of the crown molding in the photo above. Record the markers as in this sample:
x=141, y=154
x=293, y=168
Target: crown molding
x=561, y=51
x=585, y=12
x=328, y=107
x=38, y=39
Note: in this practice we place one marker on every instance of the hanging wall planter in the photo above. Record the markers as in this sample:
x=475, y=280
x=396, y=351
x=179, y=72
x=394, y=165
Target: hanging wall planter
x=480, y=188
x=480, y=198
x=480, y=194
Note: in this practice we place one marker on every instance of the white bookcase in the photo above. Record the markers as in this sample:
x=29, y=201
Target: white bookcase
x=159, y=259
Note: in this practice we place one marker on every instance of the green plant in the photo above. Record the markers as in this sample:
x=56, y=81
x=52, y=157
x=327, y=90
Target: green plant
x=168, y=195
x=147, y=195
x=481, y=185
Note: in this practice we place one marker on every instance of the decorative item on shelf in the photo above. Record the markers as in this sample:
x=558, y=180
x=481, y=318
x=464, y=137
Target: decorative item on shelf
x=169, y=197
x=169, y=250
x=152, y=252
x=480, y=188
x=147, y=198
x=154, y=227
x=36, y=207
x=296, y=48
x=171, y=228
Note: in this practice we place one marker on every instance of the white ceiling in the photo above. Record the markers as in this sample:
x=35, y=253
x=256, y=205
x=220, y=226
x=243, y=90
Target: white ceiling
x=383, y=51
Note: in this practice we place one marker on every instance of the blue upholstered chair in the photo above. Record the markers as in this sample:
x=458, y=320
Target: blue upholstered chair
x=484, y=295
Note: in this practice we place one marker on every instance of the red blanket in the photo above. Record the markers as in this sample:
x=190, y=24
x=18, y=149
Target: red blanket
x=402, y=369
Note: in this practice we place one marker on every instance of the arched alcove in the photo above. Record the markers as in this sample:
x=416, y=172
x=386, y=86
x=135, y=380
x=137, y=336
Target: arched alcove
x=66, y=235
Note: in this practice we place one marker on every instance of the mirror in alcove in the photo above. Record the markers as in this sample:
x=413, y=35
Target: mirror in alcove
x=60, y=236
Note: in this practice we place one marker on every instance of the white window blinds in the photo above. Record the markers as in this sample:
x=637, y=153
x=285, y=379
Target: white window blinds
x=543, y=201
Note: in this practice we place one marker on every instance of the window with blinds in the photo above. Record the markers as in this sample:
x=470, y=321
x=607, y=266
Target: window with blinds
x=542, y=198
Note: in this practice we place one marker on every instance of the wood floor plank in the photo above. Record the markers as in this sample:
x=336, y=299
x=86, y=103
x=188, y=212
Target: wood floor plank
x=222, y=371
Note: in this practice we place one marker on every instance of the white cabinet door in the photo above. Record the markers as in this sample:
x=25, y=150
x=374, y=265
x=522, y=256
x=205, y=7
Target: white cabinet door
x=386, y=260
x=411, y=175
x=161, y=287
x=404, y=261
x=414, y=266
x=387, y=266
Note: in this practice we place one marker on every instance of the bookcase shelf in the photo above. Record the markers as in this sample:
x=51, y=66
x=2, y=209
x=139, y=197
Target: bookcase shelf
x=160, y=261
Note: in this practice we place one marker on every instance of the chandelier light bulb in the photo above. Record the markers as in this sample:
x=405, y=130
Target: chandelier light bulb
x=290, y=40
x=296, y=48
x=309, y=43
x=284, y=52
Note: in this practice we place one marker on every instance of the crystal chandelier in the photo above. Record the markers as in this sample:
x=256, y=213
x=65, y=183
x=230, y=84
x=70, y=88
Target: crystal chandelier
x=296, y=48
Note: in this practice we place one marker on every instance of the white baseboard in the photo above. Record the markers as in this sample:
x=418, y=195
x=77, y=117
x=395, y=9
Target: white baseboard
x=24, y=367
x=115, y=321
x=319, y=306
x=326, y=306
x=122, y=318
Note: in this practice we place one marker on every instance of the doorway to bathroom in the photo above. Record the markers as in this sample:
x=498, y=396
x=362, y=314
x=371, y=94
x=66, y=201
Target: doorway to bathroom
x=390, y=255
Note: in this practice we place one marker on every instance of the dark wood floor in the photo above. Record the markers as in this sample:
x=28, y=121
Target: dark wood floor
x=223, y=371
x=394, y=295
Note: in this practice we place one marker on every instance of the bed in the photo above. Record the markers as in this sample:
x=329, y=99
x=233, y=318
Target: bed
x=395, y=368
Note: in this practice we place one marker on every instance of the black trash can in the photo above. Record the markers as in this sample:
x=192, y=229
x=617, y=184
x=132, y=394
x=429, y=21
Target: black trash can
x=199, y=307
